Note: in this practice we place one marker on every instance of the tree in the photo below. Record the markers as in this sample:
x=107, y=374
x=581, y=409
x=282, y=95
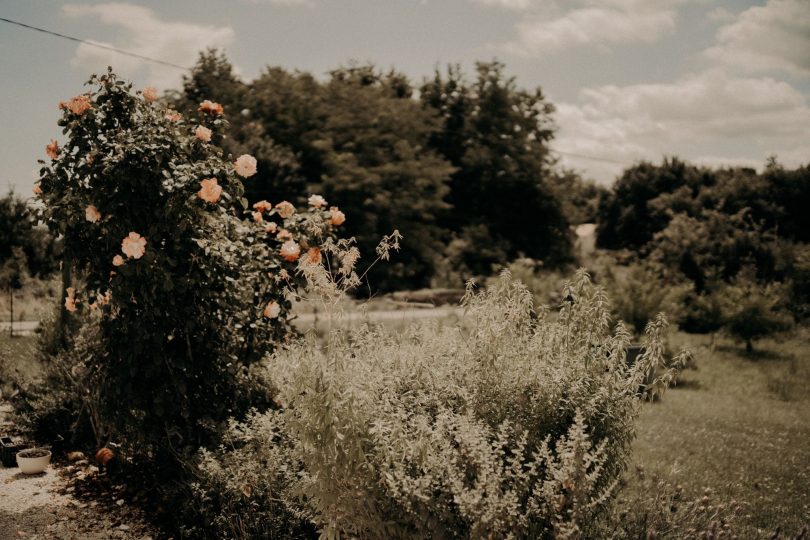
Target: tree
x=645, y=198
x=12, y=276
x=753, y=311
x=496, y=136
x=378, y=167
x=19, y=230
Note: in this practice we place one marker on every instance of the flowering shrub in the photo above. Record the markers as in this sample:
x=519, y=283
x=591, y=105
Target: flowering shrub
x=511, y=424
x=151, y=216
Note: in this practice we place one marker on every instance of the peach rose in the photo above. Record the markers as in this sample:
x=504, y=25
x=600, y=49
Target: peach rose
x=52, y=149
x=290, y=251
x=271, y=227
x=150, y=94
x=284, y=234
x=263, y=206
x=134, y=245
x=70, y=299
x=118, y=260
x=203, y=133
x=285, y=209
x=77, y=105
x=245, y=166
x=313, y=256
x=336, y=217
x=37, y=189
x=317, y=201
x=210, y=191
x=92, y=214
x=209, y=107
x=174, y=116
x=272, y=310
x=257, y=217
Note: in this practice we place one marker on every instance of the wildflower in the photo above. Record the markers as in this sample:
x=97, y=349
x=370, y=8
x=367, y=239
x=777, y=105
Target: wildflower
x=263, y=206
x=150, y=94
x=118, y=260
x=271, y=227
x=257, y=217
x=336, y=217
x=245, y=166
x=174, y=116
x=203, y=133
x=134, y=245
x=89, y=159
x=272, y=310
x=70, y=299
x=285, y=209
x=77, y=105
x=290, y=251
x=283, y=274
x=284, y=234
x=37, y=189
x=209, y=107
x=210, y=190
x=313, y=256
x=52, y=149
x=92, y=214
x=317, y=201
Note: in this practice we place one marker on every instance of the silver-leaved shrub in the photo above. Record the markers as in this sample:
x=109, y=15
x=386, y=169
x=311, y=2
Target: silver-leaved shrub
x=511, y=424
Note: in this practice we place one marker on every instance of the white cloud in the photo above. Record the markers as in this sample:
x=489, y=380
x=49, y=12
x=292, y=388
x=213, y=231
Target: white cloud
x=591, y=26
x=283, y=3
x=773, y=36
x=720, y=14
x=701, y=117
x=508, y=4
x=143, y=32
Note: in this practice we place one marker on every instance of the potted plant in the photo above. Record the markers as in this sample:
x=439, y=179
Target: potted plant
x=8, y=449
x=33, y=460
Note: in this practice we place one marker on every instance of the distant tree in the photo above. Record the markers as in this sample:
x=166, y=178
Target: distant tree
x=12, y=276
x=579, y=197
x=645, y=198
x=19, y=229
x=379, y=169
x=496, y=135
x=754, y=311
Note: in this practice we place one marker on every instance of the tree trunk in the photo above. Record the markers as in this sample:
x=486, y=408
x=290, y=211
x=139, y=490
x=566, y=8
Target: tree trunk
x=11, y=311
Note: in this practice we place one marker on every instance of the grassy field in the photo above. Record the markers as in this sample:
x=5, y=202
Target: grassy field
x=740, y=426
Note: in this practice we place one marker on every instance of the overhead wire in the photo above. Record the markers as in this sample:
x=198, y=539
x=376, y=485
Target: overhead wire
x=95, y=44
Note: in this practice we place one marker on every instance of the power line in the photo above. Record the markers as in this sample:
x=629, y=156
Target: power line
x=94, y=44
x=593, y=158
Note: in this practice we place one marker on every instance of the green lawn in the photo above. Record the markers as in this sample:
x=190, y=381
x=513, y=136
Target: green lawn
x=739, y=425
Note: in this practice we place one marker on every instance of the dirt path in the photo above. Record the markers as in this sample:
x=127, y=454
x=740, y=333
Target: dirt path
x=42, y=506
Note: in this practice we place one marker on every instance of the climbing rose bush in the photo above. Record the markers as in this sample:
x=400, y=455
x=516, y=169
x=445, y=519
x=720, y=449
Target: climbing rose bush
x=186, y=293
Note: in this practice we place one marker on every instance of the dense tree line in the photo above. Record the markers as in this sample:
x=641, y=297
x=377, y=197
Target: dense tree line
x=726, y=233
x=460, y=167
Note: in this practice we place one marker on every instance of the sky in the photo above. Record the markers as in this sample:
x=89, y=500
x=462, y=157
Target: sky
x=715, y=82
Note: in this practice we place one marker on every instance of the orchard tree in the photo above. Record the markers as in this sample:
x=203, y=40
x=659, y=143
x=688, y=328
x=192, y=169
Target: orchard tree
x=19, y=230
x=181, y=293
x=754, y=311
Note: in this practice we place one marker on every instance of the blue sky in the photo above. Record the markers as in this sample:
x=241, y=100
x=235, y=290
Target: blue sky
x=716, y=82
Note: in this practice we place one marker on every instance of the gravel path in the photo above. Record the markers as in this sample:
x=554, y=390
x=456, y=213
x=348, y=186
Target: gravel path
x=42, y=506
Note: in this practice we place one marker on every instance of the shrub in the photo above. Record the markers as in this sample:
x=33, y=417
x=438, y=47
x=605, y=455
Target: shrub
x=754, y=311
x=185, y=293
x=513, y=424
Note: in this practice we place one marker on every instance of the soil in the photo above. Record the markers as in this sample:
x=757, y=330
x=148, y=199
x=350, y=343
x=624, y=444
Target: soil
x=57, y=503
